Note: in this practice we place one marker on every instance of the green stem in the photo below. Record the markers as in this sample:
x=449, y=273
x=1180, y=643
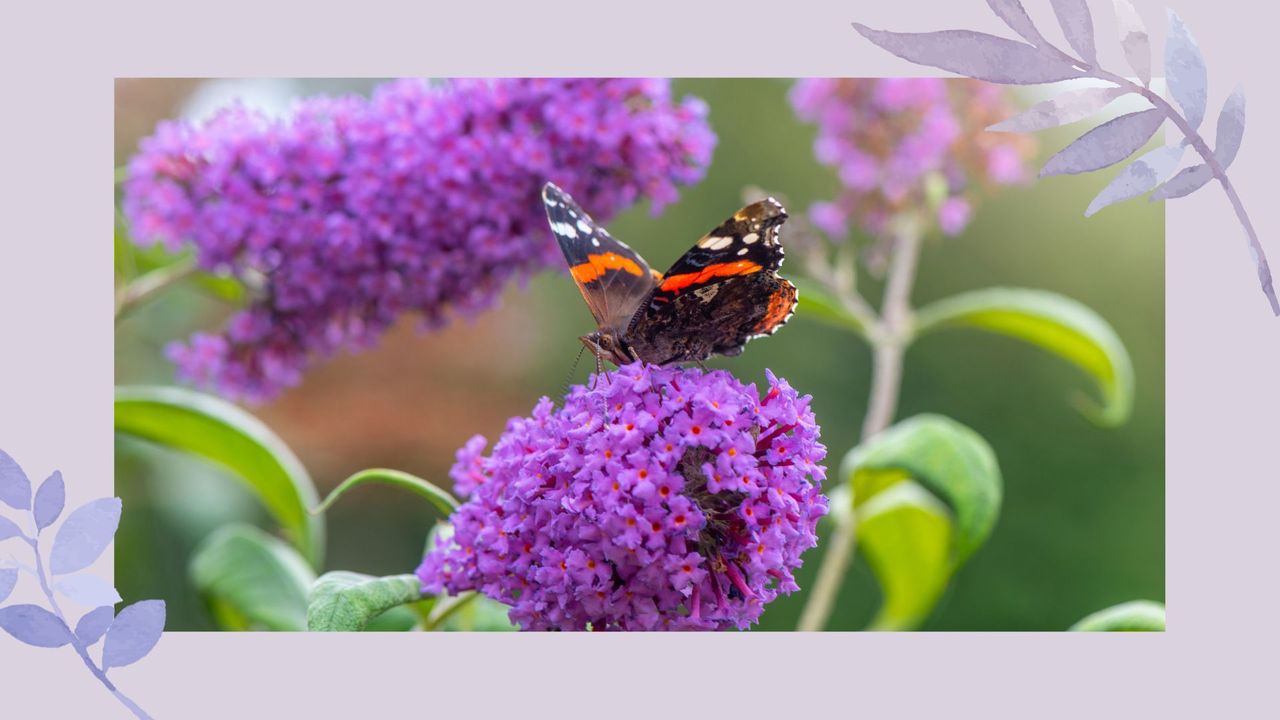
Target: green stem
x=445, y=607
x=893, y=332
x=143, y=288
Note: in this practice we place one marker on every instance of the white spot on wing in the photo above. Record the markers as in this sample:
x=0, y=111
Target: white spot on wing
x=595, y=241
x=744, y=251
x=583, y=226
x=750, y=238
x=715, y=242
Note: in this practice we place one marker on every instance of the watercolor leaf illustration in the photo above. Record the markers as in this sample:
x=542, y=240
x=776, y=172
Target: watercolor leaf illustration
x=1034, y=60
x=81, y=539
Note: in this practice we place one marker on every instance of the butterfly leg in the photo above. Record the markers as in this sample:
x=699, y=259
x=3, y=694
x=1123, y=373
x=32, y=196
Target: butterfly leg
x=702, y=365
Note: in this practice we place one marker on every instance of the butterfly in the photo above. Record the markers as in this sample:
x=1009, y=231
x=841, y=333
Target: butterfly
x=720, y=294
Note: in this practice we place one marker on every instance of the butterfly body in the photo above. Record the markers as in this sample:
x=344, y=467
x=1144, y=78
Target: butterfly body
x=720, y=294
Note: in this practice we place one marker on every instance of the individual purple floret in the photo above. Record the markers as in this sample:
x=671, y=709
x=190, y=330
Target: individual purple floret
x=350, y=212
x=907, y=144
x=662, y=499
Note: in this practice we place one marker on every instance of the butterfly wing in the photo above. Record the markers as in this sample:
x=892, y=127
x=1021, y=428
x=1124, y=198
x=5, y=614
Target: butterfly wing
x=612, y=277
x=722, y=293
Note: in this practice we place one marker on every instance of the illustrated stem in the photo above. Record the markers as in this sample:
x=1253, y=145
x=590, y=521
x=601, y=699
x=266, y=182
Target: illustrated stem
x=76, y=643
x=1255, y=246
x=893, y=331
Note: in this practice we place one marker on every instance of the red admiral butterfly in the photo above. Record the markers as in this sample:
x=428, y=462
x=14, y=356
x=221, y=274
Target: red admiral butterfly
x=722, y=293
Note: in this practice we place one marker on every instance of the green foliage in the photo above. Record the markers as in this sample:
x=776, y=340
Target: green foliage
x=222, y=433
x=252, y=580
x=925, y=495
x=905, y=535
x=1054, y=323
x=136, y=267
x=1133, y=616
x=346, y=601
x=440, y=499
x=815, y=303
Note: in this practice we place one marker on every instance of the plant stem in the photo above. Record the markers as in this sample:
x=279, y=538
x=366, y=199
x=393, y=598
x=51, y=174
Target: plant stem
x=893, y=332
x=1219, y=172
x=446, y=606
x=142, y=288
x=76, y=643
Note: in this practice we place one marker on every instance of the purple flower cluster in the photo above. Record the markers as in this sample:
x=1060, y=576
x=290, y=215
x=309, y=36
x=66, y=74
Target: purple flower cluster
x=351, y=212
x=662, y=499
x=906, y=144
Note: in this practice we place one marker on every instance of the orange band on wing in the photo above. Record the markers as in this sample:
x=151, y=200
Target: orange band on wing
x=676, y=283
x=781, y=304
x=598, y=265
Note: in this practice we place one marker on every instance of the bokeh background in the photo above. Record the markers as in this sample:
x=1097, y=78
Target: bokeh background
x=1082, y=526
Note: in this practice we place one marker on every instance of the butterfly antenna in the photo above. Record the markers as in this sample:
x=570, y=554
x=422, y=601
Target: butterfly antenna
x=569, y=378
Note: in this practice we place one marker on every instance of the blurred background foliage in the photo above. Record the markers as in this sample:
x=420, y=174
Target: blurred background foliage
x=1082, y=525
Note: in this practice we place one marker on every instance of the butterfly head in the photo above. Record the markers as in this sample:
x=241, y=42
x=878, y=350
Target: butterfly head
x=606, y=345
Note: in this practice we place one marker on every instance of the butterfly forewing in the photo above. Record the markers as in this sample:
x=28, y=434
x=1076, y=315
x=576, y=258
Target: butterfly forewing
x=613, y=278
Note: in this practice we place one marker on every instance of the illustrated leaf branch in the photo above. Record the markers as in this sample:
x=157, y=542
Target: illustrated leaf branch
x=1035, y=61
x=81, y=539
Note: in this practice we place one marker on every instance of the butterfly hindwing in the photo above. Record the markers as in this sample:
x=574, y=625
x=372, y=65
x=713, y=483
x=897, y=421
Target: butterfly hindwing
x=613, y=278
x=723, y=292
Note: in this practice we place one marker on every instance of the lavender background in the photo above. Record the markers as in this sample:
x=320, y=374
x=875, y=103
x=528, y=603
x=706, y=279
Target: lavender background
x=55, y=385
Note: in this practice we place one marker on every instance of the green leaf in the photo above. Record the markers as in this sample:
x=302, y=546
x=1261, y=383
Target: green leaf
x=1055, y=323
x=396, y=619
x=125, y=262
x=815, y=303
x=346, y=601
x=926, y=494
x=1133, y=616
x=224, y=434
x=905, y=535
x=948, y=459
x=439, y=499
x=252, y=580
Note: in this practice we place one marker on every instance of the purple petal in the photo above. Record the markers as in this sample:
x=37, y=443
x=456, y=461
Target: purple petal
x=1107, y=144
x=9, y=529
x=8, y=578
x=94, y=623
x=84, y=535
x=1184, y=183
x=1066, y=108
x=977, y=55
x=1230, y=128
x=1015, y=16
x=15, y=488
x=49, y=500
x=34, y=625
x=87, y=590
x=135, y=631
x=1134, y=40
x=1185, y=71
x=1077, y=26
x=1140, y=176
